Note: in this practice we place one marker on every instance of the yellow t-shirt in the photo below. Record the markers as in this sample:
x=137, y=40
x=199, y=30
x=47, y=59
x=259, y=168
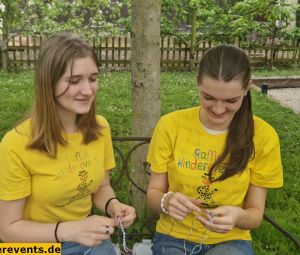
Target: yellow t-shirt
x=55, y=189
x=183, y=149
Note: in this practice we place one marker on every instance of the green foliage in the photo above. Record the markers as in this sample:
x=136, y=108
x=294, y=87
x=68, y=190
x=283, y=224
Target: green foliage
x=89, y=18
x=224, y=20
x=10, y=13
x=178, y=90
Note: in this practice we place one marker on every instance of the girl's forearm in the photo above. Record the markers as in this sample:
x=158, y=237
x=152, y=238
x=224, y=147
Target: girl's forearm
x=28, y=231
x=153, y=200
x=102, y=196
x=249, y=218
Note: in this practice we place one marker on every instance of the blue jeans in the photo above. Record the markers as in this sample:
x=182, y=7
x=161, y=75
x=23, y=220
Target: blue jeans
x=72, y=248
x=167, y=245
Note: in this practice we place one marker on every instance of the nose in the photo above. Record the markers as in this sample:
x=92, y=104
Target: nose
x=86, y=88
x=219, y=108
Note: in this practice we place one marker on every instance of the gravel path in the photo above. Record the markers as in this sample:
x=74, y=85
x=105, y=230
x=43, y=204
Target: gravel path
x=288, y=97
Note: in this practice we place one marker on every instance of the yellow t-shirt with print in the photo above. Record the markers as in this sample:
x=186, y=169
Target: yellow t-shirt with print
x=55, y=189
x=183, y=149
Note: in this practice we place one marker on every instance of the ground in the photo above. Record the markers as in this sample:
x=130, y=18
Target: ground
x=288, y=97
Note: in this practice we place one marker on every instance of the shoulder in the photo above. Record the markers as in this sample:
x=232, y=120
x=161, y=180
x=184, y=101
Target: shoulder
x=266, y=170
x=104, y=126
x=261, y=127
x=180, y=115
x=264, y=132
x=17, y=136
x=102, y=121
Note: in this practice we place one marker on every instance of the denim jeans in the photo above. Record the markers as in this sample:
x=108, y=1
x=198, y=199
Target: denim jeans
x=72, y=248
x=167, y=245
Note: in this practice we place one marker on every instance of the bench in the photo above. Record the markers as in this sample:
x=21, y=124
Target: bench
x=124, y=148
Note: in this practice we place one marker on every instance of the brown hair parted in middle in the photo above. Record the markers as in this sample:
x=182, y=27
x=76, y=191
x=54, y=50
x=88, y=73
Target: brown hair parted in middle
x=227, y=63
x=56, y=53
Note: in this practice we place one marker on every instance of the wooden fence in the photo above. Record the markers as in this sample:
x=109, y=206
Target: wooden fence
x=114, y=52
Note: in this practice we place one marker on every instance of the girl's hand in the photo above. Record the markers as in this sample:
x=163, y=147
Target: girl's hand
x=125, y=212
x=221, y=219
x=90, y=231
x=179, y=205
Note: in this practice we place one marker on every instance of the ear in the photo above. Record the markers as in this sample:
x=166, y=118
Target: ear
x=249, y=84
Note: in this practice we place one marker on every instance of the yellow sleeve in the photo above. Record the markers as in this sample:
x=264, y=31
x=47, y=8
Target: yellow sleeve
x=15, y=181
x=162, y=144
x=267, y=168
x=109, y=159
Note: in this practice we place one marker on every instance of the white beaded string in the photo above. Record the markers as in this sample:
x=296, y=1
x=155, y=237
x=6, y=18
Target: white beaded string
x=125, y=248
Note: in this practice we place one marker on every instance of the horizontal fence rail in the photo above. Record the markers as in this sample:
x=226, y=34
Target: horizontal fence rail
x=114, y=52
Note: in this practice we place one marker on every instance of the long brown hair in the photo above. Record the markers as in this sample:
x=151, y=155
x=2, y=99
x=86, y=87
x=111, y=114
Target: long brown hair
x=56, y=53
x=227, y=63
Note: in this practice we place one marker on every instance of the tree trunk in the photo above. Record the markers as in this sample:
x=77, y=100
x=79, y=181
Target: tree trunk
x=298, y=16
x=4, y=43
x=4, y=53
x=145, y=83
x=193, y=38
x=273, y=51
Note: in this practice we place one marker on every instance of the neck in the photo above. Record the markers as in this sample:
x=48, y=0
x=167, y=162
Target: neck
x=70, y=129
x=69, y=123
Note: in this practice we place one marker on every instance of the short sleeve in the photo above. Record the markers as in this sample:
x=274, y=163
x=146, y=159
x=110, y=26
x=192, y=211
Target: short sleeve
x=161, y=147
x=15, y=181
x=267, y=167
x=109, y=159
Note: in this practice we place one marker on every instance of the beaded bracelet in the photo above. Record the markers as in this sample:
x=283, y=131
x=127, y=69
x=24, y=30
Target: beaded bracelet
x=107, y=204
x=162, y=202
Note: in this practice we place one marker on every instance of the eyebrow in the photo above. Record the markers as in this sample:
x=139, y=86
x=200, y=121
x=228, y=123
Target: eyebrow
x=229, y=99
x=79, y=75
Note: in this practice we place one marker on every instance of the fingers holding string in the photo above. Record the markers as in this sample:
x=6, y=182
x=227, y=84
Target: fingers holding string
x=212, y=223
x=107, y=230
x=181, y=205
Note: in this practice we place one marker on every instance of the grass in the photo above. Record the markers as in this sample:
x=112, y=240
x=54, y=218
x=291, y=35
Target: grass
x=292, y=70
x=178, y=91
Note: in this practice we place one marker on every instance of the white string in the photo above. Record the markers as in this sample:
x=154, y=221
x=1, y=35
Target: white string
x=197, y=248
x=88, y=251
x=125, y=248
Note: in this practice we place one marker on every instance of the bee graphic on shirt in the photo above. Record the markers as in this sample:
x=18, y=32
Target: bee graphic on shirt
x=83, y=189
x=205, y=193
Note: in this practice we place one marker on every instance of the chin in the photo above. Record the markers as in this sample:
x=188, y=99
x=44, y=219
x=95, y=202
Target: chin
x=217, y=121
x=83, y=111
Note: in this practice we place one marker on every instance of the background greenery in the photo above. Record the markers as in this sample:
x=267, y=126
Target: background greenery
x=178, y=91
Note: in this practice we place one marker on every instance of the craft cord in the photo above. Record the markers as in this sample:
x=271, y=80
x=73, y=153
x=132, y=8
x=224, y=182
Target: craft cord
x=124, y=245
x=197, y=248
x=89, y=249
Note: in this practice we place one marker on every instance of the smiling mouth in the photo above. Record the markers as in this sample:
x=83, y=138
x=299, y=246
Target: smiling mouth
x=83, y=100
x=218, y=115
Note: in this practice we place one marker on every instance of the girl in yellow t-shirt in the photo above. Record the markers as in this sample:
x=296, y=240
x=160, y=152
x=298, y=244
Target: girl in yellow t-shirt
x=211, y=165
x=55, y=164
